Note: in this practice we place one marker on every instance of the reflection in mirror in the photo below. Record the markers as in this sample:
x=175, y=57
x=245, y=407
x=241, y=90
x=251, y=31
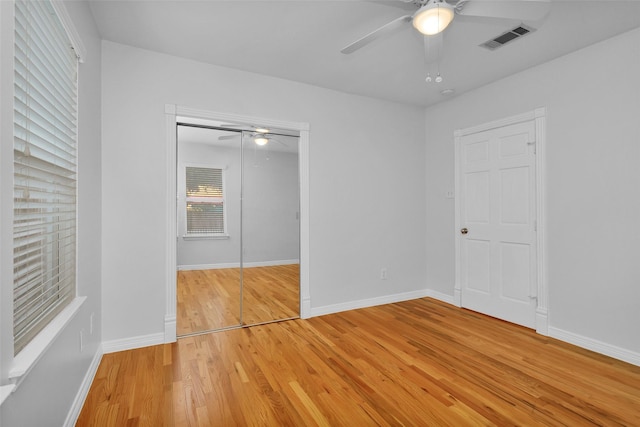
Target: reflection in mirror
x=238, y=227
x=209, y=232
x=270, y=228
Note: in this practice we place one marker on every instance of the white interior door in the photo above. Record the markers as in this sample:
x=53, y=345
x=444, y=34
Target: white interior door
x=497, y=220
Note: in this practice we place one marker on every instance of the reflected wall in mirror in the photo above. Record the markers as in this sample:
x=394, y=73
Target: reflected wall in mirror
x=238, y=229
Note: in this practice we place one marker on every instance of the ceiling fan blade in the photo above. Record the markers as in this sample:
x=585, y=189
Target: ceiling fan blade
x=225, y=137
x=433, y=47
x=523, y=10
x=384, y=30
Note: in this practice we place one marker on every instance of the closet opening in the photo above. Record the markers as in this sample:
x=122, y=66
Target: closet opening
x=238, y=225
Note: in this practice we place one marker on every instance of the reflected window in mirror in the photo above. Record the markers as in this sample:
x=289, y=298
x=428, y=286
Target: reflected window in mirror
x=205, y=202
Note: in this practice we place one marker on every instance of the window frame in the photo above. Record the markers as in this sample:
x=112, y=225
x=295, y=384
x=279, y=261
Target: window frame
x=21, y=363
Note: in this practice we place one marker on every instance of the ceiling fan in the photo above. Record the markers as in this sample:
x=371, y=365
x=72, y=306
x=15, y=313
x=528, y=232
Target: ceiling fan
x=432, y=17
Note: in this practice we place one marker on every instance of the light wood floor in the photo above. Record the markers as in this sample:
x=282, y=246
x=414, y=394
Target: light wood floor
x=210, y=299
x=415, y=363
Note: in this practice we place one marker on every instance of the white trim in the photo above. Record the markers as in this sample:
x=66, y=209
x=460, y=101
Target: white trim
x=133, y=342
x=538, y=116
x=191, y=267
x=595, y=345
x=457, y=292
x=305, y=306
x=370, y=302
x=519, y=118
x=542, y=321
x=303, y=170
x=171, y=113
x=83, y=391
x=233, y=118
x=170, y=326
x=24, y=361
x=70, y=29
x=542, y=318
x=5, y=391
x=449, y=299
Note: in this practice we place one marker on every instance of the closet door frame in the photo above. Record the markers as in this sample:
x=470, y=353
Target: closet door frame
x=172, y=112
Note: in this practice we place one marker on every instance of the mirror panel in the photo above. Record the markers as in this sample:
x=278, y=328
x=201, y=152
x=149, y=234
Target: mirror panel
x=209, y=230
x=270, y=228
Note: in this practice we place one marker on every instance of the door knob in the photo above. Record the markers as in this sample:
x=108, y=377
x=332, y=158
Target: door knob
x=464, y=231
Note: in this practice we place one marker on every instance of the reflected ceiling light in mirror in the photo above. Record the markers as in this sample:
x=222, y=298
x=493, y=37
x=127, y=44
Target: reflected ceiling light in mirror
x=260, y=140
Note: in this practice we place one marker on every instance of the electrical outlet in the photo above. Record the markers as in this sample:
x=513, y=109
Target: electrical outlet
x=81, y=340
x=383, y=274
x=91, y=324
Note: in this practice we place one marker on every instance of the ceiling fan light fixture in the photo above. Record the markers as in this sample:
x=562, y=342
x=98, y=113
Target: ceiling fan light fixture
x=262, y=130
x=261, y=140
x=433, y=18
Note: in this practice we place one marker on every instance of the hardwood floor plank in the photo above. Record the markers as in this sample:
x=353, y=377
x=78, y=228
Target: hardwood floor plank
x=418, y=362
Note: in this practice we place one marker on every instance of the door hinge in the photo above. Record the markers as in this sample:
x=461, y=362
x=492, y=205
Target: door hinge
x=535, y=225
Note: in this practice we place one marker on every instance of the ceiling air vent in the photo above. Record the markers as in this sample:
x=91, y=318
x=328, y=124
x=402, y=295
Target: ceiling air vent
x=509, y=36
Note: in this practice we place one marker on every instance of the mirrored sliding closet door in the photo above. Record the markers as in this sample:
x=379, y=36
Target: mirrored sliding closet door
x=238, y=227
x=270, y=228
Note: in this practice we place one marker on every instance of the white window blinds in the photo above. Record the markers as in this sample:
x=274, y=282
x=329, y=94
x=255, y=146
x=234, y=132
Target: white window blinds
x=45, y=128
x=205, y=201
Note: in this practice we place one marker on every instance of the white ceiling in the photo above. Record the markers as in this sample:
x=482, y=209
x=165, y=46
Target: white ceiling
x=300, y=40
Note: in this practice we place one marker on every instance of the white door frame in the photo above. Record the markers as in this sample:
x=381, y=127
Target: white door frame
x=171, y=113
x=539, y=117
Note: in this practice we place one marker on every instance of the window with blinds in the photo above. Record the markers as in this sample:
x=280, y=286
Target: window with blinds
x=45, y=128
x=205, y=201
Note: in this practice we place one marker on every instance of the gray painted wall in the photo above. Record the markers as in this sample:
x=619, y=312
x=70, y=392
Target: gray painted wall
x=592, y=98
x=367, y=181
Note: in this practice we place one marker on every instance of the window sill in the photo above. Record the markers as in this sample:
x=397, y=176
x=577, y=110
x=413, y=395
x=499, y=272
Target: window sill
x=24, y=361
x=205, y=236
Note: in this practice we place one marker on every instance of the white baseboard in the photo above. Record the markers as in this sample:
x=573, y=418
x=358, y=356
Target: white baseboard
x=595, y=345
x=449, y=299
x=133, y=342
x=542, y=328
x=542, y=321
x=237, y=265
x=170, y=329
x=78, y=402
x=305, y=308
x=457, y=297
x=370, y=302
